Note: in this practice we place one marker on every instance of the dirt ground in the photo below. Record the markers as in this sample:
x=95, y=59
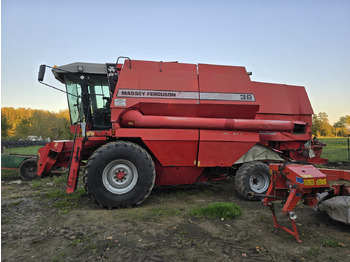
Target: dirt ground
x=36, y=225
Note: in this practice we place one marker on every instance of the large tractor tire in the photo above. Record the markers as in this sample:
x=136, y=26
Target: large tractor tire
x=252, y=178
x=119, y=174
x=28, y=169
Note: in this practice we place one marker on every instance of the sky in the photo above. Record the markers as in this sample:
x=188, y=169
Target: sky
x=292, y=42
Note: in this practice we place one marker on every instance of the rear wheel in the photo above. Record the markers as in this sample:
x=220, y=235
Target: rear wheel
x=119, y=174
x=28, y=169
x=252, y=178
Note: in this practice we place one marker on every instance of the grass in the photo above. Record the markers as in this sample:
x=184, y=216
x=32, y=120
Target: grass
x=336, y=149
x=222, y=210
x=52, y=190
x=163, y=211
x=76, y=241
x=16, y=203
x=327, y=242
x=30, y=150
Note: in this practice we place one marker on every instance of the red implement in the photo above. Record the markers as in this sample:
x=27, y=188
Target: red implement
x=295, y=184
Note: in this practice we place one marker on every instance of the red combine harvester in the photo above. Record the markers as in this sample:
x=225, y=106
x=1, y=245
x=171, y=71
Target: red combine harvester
x=142, y=123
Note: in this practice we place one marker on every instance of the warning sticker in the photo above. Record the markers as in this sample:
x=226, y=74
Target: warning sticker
x=320, y=182
x=309, y=182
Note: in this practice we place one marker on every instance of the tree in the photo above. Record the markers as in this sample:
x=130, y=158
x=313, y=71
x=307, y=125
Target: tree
x=24, y=122
x=50, y=125
x=5, y=126
x=320, y=125
x=15, y=117
x=342, y=127
x=10, y=114
x=23, y=128
x=64, y=114
x=315, y=128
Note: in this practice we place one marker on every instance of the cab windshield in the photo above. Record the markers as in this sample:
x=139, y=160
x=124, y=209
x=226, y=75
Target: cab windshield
x=88, y=99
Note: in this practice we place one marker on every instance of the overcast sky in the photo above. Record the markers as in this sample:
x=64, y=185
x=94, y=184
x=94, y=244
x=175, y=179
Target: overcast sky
x=289, y=42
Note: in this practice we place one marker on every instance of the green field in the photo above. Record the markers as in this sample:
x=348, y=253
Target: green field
x=336, y=149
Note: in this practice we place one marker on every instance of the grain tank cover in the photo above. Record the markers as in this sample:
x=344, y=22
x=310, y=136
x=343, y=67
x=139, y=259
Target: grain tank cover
x=186, y=90
x=226, y=91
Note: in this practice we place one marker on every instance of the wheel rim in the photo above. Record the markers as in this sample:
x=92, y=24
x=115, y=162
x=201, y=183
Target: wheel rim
x=119, y=176
x=259, y=182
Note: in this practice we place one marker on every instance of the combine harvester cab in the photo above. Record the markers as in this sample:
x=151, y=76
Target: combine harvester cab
x=143, y=123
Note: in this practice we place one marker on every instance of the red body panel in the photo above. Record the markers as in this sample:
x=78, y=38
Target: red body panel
x=224, y=148
x=278, y=99
x=149, y=76
x=217, y=81
x=172, y=147
x=178, y=175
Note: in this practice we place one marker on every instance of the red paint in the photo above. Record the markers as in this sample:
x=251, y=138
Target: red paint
x=177, y=175
x=134, y=118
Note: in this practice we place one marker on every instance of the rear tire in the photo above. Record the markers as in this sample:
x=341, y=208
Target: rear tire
x=28, y=169
x=119, y=174
x=252, y=177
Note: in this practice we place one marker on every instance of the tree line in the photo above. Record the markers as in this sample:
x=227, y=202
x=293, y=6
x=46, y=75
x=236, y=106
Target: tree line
x=322, y=127
x=27, y=123
x=21, y=123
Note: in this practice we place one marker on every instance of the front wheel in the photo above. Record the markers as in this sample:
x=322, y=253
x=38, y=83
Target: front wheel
x=119, y=174
x=252, y=178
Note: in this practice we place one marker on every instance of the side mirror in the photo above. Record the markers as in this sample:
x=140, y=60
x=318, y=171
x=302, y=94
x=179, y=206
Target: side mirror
x=41, y=73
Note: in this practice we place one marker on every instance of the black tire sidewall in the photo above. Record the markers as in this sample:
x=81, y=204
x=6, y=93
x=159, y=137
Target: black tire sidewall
x=242, y=179
x=22, y=167
x=120, y=150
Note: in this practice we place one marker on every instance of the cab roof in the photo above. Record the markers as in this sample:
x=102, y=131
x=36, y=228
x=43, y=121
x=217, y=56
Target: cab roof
x=79, y=67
